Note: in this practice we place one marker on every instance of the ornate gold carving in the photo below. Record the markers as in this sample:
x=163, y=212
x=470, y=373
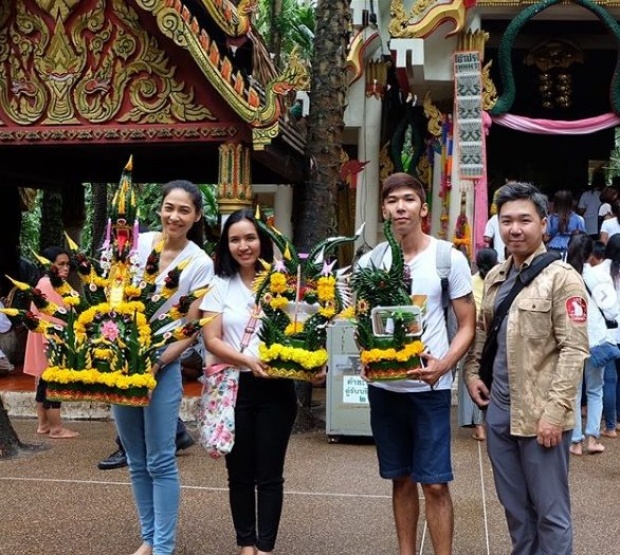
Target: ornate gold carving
x=386, y=166
x=108, y=134
x=58, y=9
x=473, y=41
x=376, y=78
x=489, y=91
x=425, y=16
x=234, y=185
x=262, y=136
x=91, y=66
x=235, y=21
x=425, y=171
x=433, y=114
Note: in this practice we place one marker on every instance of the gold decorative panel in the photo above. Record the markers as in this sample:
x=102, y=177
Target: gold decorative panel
x=70, y=62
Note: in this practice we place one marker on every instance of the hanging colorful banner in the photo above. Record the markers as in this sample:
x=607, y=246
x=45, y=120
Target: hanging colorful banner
x=468, y=114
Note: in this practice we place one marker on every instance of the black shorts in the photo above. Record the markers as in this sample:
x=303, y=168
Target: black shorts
x=41, y=396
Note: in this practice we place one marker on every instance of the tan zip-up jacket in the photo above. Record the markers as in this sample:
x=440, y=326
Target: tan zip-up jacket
x=547, y=344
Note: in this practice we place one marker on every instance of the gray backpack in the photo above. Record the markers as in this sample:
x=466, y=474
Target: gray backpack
x=444, y=266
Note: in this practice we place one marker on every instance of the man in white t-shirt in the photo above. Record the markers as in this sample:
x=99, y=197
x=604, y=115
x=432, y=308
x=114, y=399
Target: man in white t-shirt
x=493, y=239
x=588, y=206
x=409, y=449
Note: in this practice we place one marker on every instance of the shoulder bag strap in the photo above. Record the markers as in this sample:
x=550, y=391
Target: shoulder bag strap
x=523, y=280
x=250, y=328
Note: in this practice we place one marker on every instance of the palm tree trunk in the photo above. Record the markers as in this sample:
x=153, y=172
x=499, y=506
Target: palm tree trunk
x=316, y=219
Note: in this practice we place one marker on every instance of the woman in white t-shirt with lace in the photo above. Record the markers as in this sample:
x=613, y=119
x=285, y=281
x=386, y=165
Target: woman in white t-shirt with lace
x=266, y=407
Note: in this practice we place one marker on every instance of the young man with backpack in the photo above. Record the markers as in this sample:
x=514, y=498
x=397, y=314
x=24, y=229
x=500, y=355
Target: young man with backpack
x=526, y=365
x=410, y=419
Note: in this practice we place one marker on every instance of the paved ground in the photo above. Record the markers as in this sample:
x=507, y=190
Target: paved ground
x=57, y=502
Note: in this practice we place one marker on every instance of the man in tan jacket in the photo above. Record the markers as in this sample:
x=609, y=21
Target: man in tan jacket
x=541, y=347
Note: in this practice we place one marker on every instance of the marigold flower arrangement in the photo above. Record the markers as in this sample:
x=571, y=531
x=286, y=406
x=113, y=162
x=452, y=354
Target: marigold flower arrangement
x=106, y=343
x=299, y=295
x=388, y=326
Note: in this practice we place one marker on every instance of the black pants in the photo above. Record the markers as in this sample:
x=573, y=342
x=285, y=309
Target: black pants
x=264, y=417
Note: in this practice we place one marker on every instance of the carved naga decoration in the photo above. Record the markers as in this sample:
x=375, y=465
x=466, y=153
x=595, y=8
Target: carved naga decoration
x=425, y=16
x=235, y=21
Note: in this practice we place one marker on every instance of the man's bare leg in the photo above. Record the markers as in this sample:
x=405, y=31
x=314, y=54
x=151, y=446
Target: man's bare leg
x=406, y=507
x=439, y=516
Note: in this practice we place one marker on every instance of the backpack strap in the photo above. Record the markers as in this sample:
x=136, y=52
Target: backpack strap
x=444, y=267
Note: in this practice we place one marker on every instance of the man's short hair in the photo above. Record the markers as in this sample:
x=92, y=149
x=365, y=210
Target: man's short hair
x=401, y=180
x=522, y=191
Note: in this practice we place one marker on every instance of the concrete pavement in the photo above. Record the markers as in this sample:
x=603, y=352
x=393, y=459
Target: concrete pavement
x=58, y=502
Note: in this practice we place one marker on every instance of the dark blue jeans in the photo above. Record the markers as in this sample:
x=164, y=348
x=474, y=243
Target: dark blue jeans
x=611, y=395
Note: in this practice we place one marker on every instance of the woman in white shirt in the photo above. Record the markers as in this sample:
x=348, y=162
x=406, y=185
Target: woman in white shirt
x=602, y=308
x=148, y=433
x=611, y=226
x=266, y=408
x=611, y=389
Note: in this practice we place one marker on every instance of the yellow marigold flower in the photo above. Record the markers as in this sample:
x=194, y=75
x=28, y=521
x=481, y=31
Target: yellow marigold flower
x=70, y=300
x=379, y=355
x=326, y=288
x=278, y=302
x=277, y=282
x=328, y=311
x=132, y=292
x=348, y=313
x=293, y=328
x=306, y=359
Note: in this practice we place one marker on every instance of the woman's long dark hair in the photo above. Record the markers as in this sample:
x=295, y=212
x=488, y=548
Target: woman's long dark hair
x=196, y=232
x=485, y=260
x=612, y=251
x=225, y=265
x=579, y=250
x=563, y=207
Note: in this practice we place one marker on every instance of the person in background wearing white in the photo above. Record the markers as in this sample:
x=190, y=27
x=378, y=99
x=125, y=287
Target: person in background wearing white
x=492, y=237
x=608, y=197
x=611, y=390
x=590, y=202
x=603, y=308
x=611, y=226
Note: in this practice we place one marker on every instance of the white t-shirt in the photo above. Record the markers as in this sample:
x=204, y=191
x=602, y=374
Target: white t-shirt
x=611, y=227
x=602, y=303
x=428, y=283
x=492, y=232
x=591, y=202
x=196, y=275
x=605, y=267
x=605, y=210
x=230, y=297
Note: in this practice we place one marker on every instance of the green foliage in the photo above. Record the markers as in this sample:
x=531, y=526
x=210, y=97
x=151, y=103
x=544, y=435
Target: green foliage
x=295, y=24
x=31, y=226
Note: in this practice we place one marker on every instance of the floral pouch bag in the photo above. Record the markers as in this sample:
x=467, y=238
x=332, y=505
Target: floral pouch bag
x=216, y=415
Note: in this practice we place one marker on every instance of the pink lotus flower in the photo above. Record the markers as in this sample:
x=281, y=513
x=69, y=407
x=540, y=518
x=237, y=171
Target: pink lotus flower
x=110, y=330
